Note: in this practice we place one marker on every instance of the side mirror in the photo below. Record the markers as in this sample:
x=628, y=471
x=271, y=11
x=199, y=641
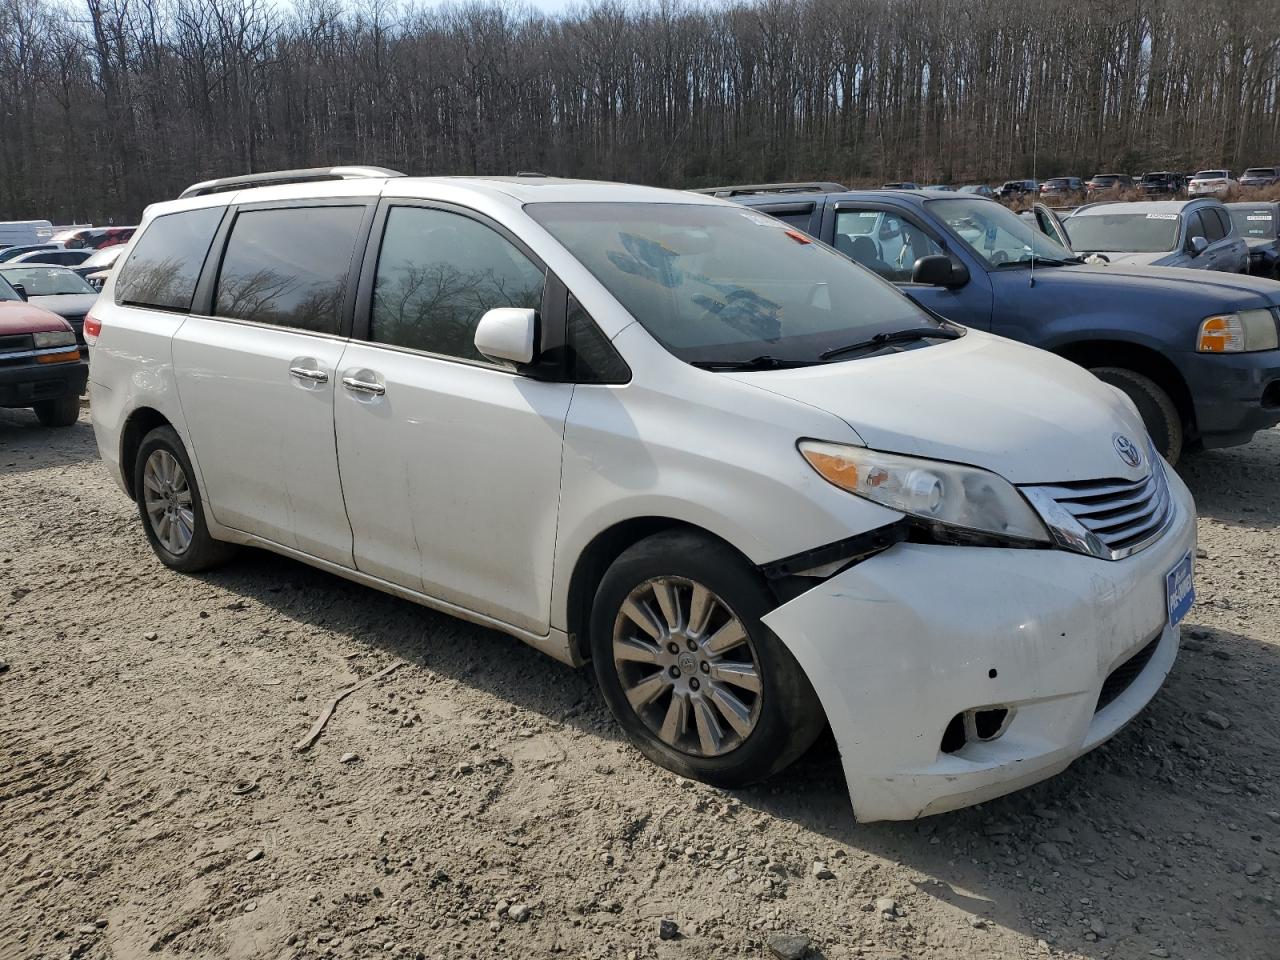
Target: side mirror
x=508, y=334
x=939, y=270
x=1198, y=246
x=20, y=290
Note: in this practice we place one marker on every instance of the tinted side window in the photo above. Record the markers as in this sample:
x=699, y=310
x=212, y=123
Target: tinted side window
x=162, y=269
x=795, y=215
x=289, y=266
x=1213, y=229
x=438, y=272
x=1224, y=220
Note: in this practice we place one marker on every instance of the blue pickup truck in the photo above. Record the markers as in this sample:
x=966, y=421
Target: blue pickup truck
x=1196, y=352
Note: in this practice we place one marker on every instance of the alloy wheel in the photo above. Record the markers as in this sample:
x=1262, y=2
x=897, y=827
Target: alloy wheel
x=167, y=500
x=687, y=666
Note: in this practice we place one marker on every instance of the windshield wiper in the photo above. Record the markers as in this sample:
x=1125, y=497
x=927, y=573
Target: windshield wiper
x=1039, y=262
x=755, y=363
x=898, y=336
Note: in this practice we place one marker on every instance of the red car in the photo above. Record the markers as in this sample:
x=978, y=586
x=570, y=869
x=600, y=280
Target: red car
x=95, y=238
x=40, y=365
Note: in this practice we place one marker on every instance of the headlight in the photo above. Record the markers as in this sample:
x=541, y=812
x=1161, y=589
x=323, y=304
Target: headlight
x=1243, y=332
x=949, y=494
x=54, y=338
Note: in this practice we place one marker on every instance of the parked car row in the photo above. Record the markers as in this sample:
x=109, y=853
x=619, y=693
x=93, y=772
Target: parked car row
x=1161, y=183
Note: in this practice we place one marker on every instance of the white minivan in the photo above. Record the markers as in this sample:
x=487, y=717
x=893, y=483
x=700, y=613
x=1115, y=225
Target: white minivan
x=759, y=488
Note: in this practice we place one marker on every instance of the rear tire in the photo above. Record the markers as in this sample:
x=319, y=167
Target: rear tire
x=1159, y=414
x=170, y=505
x=704, y=721
x=62, y=412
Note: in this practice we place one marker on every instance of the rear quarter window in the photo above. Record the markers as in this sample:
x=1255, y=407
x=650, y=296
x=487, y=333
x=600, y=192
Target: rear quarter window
x=165, y=263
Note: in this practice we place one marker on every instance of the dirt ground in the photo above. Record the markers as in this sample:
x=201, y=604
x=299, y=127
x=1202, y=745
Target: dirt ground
x=479, y=802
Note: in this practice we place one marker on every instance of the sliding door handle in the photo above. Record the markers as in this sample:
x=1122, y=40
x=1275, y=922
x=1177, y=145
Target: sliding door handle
x=369, y=387
x=309, y=374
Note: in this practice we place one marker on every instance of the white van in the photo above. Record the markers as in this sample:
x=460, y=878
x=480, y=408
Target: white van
x=757, y=486
x=21, y=233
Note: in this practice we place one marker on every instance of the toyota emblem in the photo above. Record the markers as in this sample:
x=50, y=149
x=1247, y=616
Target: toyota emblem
x=1128, y=450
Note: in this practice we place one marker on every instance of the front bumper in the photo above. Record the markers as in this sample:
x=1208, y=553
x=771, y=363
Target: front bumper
x=1235, y=394
x=24, y=384
x=898, y=645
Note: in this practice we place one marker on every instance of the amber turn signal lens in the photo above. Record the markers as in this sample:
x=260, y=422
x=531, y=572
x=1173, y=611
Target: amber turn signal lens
x=838, y=470
x=62, y=356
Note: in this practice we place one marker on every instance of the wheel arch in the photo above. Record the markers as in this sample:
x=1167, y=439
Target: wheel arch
x=600, y=553
x=1140, y=359
x=139, y=423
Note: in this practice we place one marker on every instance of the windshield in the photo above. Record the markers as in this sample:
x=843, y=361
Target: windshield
x=995, y=233
x=1254, y=223
x=718, y=283
x=1211, y=175
x=1123, y=232
x=47, y=281
x=1260, y=172
x=104, y=257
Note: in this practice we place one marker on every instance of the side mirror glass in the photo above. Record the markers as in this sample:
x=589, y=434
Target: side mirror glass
x=20, y=290
x=508, y=334
x=939, y=270
x=1198, y=246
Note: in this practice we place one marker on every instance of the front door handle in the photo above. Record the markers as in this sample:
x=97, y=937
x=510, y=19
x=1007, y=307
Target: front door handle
x=309, y=374
x=370, y=387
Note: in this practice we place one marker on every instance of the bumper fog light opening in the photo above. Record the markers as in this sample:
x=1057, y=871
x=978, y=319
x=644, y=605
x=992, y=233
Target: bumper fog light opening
x=980, y=725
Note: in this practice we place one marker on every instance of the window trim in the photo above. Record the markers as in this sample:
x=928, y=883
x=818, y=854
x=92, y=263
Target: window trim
x=551, y=312
x=206, y=286
x=122, y=264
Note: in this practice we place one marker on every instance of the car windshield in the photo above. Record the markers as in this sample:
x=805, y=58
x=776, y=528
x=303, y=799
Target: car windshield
x=1254, y=223
x=1122, y=232
x=724, y=284
x=1154, y=177
x=1212, y=175
x=47, y=281
x=997, y=234
x=104, y=257
x=1260, y=172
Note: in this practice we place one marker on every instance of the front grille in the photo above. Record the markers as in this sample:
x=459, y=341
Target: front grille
x=1122, y=677
x=15, y=342
x=1124, y=515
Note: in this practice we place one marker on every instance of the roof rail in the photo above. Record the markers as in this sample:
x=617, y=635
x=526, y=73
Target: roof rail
x=816, y=186
x=277, y=177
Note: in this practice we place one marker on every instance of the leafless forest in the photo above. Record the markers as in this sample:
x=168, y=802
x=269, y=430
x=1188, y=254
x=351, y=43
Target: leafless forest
x=111, y=104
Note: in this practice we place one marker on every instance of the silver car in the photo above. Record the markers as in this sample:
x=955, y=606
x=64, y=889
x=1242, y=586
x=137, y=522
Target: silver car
x=1161, y=233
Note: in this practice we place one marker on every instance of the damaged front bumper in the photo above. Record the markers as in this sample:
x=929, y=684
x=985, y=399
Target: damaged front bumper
x=903, y=645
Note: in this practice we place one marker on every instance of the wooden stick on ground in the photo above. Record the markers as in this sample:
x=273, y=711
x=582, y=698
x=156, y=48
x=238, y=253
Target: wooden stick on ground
x=317, y=728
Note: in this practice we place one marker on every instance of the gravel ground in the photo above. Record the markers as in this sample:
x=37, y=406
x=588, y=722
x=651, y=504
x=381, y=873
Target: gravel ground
x=479, y=802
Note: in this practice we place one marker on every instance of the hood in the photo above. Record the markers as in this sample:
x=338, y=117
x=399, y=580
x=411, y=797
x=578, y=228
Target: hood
x=1218, y=290
x=982, y=400
x=18, y=317
x=66, y=304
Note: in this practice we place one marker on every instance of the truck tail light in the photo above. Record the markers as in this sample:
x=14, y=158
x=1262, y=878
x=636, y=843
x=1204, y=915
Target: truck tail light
x=92, y=327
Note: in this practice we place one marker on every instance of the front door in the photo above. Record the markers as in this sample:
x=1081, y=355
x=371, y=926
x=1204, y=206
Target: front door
x=450, y=462
x=256, y=377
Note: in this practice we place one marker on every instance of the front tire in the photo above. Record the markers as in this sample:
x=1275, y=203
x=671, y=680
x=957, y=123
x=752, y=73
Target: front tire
x=170, y=506
x=700, y=685
x=60, y=412
x=1159, y=414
